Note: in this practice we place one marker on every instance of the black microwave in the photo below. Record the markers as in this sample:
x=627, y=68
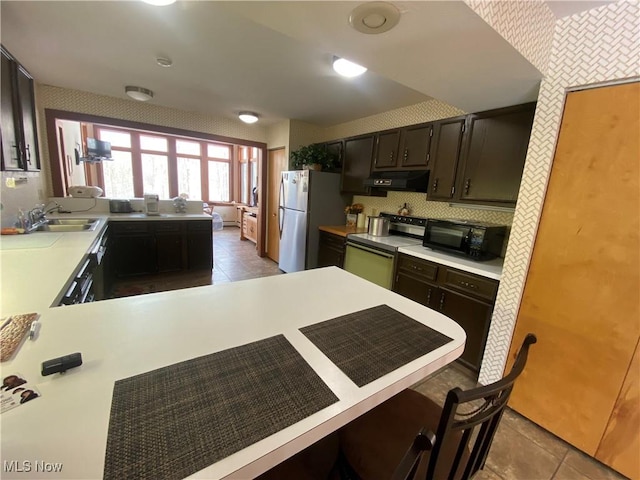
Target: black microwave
x=475, y=240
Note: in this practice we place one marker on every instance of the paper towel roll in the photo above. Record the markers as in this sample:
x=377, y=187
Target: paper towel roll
x=361, y=222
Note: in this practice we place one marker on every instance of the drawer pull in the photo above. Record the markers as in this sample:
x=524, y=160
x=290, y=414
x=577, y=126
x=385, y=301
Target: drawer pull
x=468, y=285
x=442, y=301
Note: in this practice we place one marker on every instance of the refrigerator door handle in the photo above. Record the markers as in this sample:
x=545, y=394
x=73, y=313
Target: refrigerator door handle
x=280, y=220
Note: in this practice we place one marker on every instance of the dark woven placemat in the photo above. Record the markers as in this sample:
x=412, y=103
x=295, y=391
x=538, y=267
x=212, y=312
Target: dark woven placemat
x=177, y=420
x=370, y=343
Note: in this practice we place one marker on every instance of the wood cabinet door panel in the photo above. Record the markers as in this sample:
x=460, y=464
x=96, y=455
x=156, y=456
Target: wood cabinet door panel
x=27, y=108
x=416, y=144
x=424, y=293
x=170, y=252
x=357, y=164
x=474, y=317
x=11, y=156
x=445, y=154
x=386, y=155
x=581, y=293
x=495, y=152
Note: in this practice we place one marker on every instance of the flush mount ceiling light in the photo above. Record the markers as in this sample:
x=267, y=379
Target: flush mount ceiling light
x=374, y=17
x=138, y=93
x=346, y=68
x=159, y=3
x=248, y=117
x=164, y=61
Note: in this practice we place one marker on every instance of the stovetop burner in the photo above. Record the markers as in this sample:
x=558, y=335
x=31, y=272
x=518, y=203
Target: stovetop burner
x=404, y=231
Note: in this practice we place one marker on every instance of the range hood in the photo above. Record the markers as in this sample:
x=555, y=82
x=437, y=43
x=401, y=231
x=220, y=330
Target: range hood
x=399, y=180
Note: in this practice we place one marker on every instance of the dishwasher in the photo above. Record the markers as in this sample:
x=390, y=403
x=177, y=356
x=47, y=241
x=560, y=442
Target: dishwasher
x=372, y=257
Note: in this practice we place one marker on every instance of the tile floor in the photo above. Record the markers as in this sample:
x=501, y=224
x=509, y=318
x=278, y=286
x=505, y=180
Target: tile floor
x=521, y=450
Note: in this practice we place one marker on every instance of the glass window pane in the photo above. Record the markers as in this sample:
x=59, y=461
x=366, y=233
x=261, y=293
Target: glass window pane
x=158, y=144
x=189, y=178
x=187, y=148
x=218, y=181
x=244, y=188
x=116, y=139
x=155, y=174
x=118, y=175
x=218, y=151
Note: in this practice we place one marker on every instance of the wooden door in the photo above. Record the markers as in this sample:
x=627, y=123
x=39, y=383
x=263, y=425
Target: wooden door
x=445, y=155
x=277, y=162
x=581, y=293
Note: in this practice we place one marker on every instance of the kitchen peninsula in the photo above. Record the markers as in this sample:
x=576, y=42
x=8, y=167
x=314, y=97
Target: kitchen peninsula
x=124, y=337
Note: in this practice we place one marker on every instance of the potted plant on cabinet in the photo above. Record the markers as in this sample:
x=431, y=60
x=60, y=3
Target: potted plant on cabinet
x=314, y=157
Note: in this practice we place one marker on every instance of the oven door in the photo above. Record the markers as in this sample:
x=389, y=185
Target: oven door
x=447, y=236
x=369, y=263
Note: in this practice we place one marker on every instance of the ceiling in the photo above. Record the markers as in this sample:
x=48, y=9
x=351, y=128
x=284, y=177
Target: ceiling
x=271, y=57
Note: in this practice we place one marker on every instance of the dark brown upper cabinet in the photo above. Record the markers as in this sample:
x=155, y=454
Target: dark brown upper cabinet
x=18, y=117
x=415, y=150
x=403, y=149
x=356, y=165
x=386, y=150
x=445, y=154
x=493, y=155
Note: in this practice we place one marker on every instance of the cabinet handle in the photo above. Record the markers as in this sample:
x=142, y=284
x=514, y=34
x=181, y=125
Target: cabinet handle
x=428, y=296
x=468, y=285
x=435, y=185
x=442, y=301
x=406, y=154
x=415, y=267
x=467, y=186
x=391, y=156
x=428, y=157
x=28, y=152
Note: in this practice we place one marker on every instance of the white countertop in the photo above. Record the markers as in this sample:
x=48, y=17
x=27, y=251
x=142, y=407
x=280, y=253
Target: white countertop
x=127, y=336
x=490, y=269
x=35, y=267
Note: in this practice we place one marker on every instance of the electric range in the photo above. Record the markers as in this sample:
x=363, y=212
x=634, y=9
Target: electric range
x=404, y=231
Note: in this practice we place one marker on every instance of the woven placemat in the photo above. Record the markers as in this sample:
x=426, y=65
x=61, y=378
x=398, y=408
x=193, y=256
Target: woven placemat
x=177, y=420
x=13, y=331
x=370, y=343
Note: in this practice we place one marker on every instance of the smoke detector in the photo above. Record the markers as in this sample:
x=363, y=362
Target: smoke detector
x=374, y=17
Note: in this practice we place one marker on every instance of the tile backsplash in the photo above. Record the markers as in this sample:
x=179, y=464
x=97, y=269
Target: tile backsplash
x=420, y=207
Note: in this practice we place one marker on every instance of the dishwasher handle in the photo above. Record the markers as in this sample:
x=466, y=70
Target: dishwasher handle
x=370, y=250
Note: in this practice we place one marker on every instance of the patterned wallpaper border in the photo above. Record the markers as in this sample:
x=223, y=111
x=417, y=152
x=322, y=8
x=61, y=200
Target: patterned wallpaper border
x=597, y=46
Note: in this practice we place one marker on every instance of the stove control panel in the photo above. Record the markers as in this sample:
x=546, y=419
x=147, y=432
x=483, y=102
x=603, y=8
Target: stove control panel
x=403, y=219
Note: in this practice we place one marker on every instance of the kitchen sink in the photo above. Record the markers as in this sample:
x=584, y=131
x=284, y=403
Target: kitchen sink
x=69, y=225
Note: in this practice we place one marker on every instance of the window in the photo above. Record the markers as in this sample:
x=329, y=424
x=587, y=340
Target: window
x=167, y=165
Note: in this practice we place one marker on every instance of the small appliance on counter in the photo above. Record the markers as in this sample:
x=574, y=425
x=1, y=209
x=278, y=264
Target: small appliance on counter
x=474, y=240
x=378, y=226
x=151, y=204
x=84, y=191
x=120, y=206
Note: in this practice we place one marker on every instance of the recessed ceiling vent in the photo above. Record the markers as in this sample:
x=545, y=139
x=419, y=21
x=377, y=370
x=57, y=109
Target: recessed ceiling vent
x=374, y=17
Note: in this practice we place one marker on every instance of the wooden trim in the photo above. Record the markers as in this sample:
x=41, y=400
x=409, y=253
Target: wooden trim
x=108, y=121
x=54, y=155
x=261, y=245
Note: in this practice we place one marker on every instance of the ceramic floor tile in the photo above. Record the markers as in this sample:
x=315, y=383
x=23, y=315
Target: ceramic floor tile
x=565, y=472
x=589, y=467
x=536, y=434
x=514, y=456
x=487, y=474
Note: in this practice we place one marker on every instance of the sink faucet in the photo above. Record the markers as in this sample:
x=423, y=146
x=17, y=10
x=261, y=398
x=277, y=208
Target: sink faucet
x=38, y=215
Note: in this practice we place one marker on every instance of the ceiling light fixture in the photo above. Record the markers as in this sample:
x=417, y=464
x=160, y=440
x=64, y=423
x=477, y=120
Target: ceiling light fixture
x=374, y=17
x=138, y=93
x=346, y=68
x=159, y=3
x=164, y=61
x=248, y=117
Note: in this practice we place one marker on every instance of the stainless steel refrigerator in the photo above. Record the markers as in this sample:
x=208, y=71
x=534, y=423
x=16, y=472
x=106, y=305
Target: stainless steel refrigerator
x=307, y=200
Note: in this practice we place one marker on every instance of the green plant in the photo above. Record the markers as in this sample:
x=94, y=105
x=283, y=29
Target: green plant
x=314, y=153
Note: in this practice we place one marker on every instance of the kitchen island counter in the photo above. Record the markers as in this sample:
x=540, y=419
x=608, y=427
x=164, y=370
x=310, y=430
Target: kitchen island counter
x=124, y=337
x=35, y=267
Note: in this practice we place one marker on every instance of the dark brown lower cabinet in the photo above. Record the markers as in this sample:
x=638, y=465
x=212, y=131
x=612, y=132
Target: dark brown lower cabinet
x=331, y=250
x=149, y=247
x=466, y=298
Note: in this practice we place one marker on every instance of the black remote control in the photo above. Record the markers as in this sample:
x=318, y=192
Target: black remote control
x=61, y=364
